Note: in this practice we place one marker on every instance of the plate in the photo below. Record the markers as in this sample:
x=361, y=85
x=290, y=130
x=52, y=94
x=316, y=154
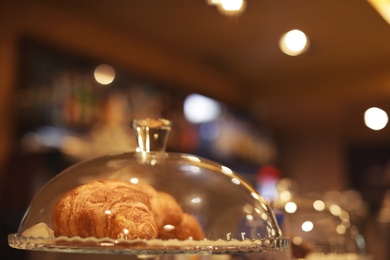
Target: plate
x=145, y=247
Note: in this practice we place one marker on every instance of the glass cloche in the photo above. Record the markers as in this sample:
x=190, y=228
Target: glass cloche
x=149, y=202
x=319, y=229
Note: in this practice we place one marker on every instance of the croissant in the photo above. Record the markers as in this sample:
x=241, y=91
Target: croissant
x=172, y=222
x=119, y=209
x=165, y=209
x=105, y=208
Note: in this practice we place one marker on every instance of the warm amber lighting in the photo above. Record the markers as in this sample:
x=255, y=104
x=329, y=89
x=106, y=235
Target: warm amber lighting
x=285, y=195
x=319, y=205
x=229, y=7
x=290, y=207
x=340, y=229
x=104, y=74
x=335, y=210
x=375, y=118
x=297, y=240
x=294, y=42
x=382, y=7
x=307, y=226
x=232, y=5
x=344, y=215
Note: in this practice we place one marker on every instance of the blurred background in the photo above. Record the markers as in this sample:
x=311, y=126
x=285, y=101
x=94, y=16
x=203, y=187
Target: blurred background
x=73, y=74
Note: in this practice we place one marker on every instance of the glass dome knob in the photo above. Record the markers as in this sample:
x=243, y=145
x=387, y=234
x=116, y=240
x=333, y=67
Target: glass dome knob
x=151, y=134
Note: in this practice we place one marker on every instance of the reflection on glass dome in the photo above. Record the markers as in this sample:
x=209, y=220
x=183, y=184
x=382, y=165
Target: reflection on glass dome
x=318, y=227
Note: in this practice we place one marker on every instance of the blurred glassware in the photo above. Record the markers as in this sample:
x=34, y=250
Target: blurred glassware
x=318, y=228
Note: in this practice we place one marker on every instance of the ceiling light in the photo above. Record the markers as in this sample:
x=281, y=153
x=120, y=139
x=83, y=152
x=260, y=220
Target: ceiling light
x=382, y=7
x=375, y=118
x=294, y=42
x=232, y=5
x=229, y=7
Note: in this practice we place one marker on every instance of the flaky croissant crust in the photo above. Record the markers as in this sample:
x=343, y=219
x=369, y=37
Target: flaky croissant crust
x=105, y=208
x=119, y=209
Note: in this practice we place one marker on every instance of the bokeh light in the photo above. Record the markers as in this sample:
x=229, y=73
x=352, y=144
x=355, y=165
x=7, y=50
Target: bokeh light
x=319, y=205
x=375, y=118
x=200, y=109
x=294, y=42
x=290, y=207
x=104, y=74
x=307, y=226
x=229, y=7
